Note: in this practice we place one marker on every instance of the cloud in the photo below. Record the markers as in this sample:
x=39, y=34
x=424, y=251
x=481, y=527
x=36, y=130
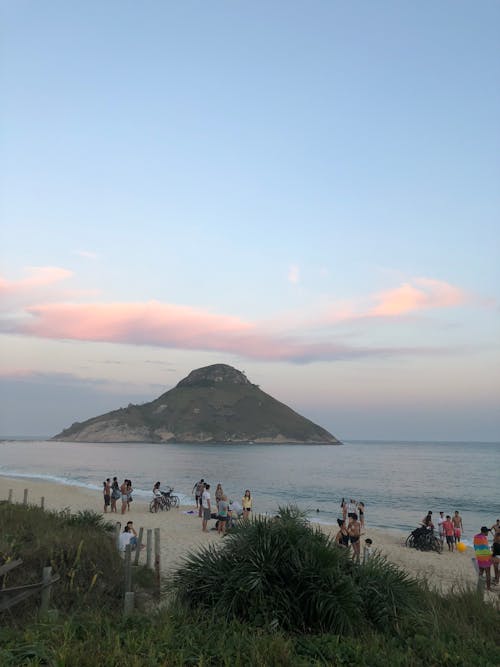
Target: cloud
x=86, y=254
x=188, y=328
x=294, y=274
x=425, y=293
x=38, y=277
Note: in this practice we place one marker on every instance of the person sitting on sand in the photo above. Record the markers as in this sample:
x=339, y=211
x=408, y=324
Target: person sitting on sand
x=342, y=537
x=483, y=555
x=246, y=501
x=354, y=530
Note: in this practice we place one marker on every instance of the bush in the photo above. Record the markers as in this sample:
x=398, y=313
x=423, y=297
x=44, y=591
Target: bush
x=283, y=573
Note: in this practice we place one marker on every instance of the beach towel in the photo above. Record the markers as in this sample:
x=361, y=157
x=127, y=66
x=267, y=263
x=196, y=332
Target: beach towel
x=482, y=551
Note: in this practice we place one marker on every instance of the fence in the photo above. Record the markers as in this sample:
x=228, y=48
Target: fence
x=10, y=597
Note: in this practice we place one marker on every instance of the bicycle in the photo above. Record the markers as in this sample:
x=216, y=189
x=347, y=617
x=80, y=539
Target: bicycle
x=424, y=539
x=160, y=503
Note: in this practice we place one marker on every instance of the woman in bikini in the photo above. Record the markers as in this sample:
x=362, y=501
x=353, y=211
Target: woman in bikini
x=342, y=537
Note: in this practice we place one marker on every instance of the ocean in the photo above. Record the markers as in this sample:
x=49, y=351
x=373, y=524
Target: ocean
x=397, y=481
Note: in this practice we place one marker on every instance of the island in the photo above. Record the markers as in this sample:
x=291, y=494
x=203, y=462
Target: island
x=214, y=404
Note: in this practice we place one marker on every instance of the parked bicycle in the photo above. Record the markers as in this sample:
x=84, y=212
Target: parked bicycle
x=164, y=501
x=424, y=539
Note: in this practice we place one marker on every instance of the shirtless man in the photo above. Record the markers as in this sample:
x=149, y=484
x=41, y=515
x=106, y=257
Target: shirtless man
x=457, y=526
x=354, y=532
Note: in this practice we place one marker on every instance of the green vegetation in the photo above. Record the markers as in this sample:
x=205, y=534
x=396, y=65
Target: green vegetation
x=395, y=620
x=216, y=403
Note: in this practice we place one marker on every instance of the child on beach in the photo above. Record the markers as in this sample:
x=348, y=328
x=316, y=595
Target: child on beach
x=367, y=551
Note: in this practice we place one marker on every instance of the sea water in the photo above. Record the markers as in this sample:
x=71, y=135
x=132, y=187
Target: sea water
x=398, y=481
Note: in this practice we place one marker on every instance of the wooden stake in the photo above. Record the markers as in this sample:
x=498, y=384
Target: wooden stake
x=128, y=603
x=42, y=502
x=10, y=496
x=138, y=548
x=128, y=568
x=157, y=560
x=25, y=497
x=149, y=547
x=46, y=577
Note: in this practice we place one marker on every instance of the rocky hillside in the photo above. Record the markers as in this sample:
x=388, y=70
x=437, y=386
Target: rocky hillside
x=212, y=404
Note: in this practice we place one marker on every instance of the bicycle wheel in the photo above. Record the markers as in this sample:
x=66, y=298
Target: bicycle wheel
x=436, y=545
x=167, y=504
x=410, y=541
x=174, y=501
x=153, y=506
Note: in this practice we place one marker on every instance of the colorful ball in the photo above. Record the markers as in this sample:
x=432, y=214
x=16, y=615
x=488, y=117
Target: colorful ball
x=461, y=547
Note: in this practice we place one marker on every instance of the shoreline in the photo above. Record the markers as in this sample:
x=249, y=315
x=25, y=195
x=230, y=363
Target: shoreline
x=181, y=532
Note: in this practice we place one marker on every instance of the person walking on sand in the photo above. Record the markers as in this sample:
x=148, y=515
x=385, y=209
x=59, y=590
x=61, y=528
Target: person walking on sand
x=106, y=492
x=458, y=527
x=246, y=502
x=483, y=555
x=124, y=495
x=115, y=493
x=354, y=531
x=449, y=532
x=207, y=508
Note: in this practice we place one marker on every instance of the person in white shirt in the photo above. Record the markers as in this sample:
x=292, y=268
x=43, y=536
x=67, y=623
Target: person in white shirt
x=440, y=522
x=206, y=507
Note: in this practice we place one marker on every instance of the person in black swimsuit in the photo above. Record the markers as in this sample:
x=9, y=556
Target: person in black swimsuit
x=342, y=537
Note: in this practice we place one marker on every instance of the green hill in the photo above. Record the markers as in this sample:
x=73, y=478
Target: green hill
x=212, y=404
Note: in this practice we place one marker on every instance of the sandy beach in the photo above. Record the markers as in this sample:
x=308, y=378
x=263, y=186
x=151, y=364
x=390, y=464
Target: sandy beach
x=181, y=532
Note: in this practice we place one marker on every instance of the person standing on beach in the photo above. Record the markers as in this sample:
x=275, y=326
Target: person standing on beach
x=361, y=512
x=441, y=520
x=354, y=531
x=495, y=552
x=222, y=510
x=458, y=526
x=342, y=537
x=207, y=508
x=218, y=493
x=129, y=493
x=124, y=495
x=115, y=493
x=427, y=521
x=483, y=555
x=198, y=488
x=246, y=501
x=449, y=532
x=106, y=491
x=352, y=508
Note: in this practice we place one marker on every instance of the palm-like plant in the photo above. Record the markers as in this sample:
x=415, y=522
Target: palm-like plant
x=282, y=572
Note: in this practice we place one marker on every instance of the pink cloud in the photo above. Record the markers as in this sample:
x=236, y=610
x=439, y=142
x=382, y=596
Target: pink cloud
x=39, y=276
x=425, y=293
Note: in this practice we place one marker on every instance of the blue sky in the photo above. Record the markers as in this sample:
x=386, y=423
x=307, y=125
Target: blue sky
x=308, y=192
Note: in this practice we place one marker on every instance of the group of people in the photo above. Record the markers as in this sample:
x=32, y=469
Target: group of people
x=223, y=510
x=450, y=528
x=113, y=491
x=350, y=526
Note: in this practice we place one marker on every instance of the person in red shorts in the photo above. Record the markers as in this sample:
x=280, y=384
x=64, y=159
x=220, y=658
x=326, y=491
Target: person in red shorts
x=458, y=527
x=449, y=532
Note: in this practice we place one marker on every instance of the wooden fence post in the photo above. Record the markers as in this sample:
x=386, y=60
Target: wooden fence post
x=128, y=603
x=118, y=527
x=138, y=547
x=149, y=546
x=10, y=496
x=42, y=502
x=128, y=568
x=46, y=577
x=157, y=560
x=25, y=497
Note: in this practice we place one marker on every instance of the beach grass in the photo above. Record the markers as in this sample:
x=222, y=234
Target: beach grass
x=399, y=622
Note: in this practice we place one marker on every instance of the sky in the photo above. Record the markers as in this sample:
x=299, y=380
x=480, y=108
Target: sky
x=306, y=191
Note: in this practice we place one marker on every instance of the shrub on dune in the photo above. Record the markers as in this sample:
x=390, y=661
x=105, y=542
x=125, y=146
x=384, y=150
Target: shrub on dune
x=283, y=572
